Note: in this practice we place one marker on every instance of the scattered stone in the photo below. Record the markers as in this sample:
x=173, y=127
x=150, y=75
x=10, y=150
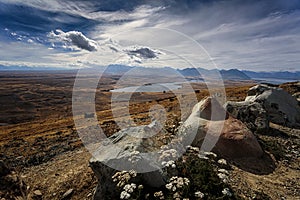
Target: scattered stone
x=67, y=194
x=37, y=193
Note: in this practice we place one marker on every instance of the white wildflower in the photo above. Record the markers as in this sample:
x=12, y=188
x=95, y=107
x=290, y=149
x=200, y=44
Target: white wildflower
x=227, y=192
x=201, y=156
x=191, y=149
x=199, y=194
x=134, y=157
x=124, y=195
x=209, y=153
x=168, y=154
x=140, y=187
x=176, y=195
x=159, y=195
x=223, y=177
x=222, y=161
x=132, y=173
x=169, y=186
x=123, y=177
x=224, y=171
x=177, y=182
x=174, y=188
x=129, y=187
x=170, y=163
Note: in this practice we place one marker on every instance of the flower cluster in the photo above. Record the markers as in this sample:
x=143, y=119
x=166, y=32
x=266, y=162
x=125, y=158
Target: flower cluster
x=168, y=154
x=191, y=149
x=159, y=195
x=206, y=155
x=209, y=153
x=223, y=175
x=199, y=194
x=134, y=157
x=226, y=192
x=170, y=163
x=128, y=189
x=177, y=183
x=123, y=177
x=124, y=195
x=222, y=162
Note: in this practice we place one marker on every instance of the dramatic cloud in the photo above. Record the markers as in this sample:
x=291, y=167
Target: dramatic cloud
x=249, y=34
x=143, y=52
x=74, y=38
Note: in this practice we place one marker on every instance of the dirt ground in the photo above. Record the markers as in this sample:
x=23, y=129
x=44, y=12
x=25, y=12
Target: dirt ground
x=39, y=142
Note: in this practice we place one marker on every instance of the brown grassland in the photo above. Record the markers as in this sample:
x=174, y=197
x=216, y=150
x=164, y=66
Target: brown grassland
x=39, y=142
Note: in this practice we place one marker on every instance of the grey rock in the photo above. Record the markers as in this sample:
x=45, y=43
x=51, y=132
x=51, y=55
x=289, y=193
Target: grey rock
x=250, y=113
x=116, y=154
x=281, y=107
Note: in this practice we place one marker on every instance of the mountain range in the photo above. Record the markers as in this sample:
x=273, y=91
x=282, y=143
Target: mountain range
x=231, y=74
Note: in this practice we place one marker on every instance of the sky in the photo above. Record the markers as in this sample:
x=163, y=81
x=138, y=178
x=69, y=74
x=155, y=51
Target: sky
x=257, y=35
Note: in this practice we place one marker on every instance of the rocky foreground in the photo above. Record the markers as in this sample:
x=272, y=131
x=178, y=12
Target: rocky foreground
x=256, y=156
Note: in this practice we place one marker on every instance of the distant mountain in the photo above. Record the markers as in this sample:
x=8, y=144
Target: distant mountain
x=231, y=74
x=275, y=75
x=234, y=74
x=189, y=72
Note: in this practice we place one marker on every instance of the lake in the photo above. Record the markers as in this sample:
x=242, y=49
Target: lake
x=156, y=87
x=273, y=80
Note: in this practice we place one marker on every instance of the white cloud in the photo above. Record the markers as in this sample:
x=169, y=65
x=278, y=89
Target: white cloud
x=73, y=38
x=237, y=34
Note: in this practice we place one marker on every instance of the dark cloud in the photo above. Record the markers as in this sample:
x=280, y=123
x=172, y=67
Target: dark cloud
x=143, y=52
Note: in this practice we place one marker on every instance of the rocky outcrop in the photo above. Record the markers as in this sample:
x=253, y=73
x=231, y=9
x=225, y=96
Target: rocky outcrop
x=209, y=125
x=282, y=108
x=126, y=150
x=234, y=139
x=252, y=114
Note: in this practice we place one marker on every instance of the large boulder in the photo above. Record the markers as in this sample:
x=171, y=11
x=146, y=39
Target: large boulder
x=282, y=108
x=128, y=149
x=250, y=113
x=227, y=136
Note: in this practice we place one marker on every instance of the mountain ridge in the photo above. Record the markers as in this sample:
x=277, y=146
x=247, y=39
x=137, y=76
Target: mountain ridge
x=231, y=74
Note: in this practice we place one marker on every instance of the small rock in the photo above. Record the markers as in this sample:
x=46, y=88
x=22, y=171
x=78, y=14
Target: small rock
x=37, y=193
x=89, y=194
x=67, y=194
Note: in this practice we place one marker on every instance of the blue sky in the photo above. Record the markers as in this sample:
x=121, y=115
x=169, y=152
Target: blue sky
x=252, y=35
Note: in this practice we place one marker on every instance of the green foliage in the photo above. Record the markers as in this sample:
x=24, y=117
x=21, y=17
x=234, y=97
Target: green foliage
x=203, y=176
